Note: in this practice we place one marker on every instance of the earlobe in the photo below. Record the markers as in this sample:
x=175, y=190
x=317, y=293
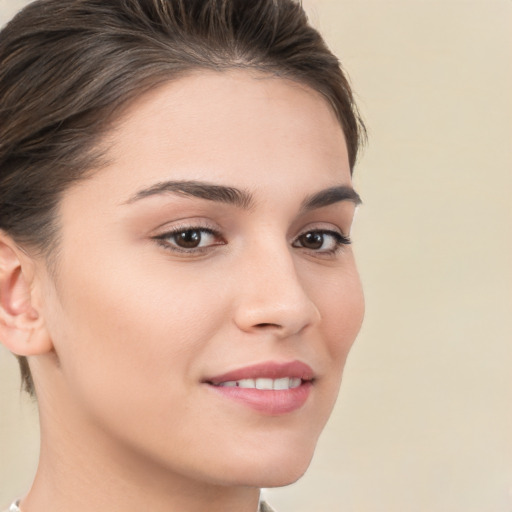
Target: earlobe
x=22, y=327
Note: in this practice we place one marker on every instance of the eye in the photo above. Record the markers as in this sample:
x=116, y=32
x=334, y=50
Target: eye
x=322, y=241
x=189, y=239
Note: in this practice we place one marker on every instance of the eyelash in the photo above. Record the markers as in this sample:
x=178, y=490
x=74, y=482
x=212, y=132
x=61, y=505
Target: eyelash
x=163, y=239
x=340, y=240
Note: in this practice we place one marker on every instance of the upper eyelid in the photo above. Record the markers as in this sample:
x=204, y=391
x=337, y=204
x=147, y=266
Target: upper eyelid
x=164, y=229
x=322, y=226
x=333, y=232
x=181, y=229
x=177, y=226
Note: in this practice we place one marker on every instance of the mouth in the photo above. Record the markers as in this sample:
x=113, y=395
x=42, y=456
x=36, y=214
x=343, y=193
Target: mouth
x=268, y=388
x=263, y=383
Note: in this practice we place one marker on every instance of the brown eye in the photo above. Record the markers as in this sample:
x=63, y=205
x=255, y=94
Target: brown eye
x=313, y=240
x=321, y=241
x=188, y=239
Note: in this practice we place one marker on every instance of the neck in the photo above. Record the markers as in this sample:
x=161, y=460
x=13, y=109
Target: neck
x=82, y=469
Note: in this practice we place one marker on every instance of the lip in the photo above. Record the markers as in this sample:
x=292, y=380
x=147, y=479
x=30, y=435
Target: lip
x=267, y=402
x=267, y=370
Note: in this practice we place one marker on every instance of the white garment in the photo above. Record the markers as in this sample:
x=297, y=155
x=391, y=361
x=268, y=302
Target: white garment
x=14, y=507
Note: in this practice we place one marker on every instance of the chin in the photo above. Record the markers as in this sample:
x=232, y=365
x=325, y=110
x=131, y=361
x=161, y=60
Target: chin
x=271, y=467
x=278, y=477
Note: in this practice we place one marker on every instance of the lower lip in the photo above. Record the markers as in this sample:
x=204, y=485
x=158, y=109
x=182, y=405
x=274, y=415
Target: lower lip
x=271, y=402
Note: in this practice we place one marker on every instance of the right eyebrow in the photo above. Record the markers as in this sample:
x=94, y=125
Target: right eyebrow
x=330, y=196
x=200, y=189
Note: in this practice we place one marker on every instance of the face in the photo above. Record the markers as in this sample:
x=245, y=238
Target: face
x=209, y=259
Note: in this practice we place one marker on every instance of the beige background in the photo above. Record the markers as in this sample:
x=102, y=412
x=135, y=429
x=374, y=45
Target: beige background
x=424, y=421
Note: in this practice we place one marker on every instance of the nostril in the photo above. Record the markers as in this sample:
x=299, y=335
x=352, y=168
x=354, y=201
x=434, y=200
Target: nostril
x=265, y=324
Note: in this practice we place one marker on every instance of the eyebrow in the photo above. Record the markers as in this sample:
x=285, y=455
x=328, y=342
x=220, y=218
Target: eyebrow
x=202, y=190
x=241, y=198
x=330, y=196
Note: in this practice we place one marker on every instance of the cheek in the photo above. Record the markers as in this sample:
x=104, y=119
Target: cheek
x=126, y=326
x=340, y=301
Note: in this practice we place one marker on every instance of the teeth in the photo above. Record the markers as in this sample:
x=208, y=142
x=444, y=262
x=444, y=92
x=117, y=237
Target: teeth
x=295, y=382
x=245, y=383
x=265, y=384
x=282, y=383
x=230, y=384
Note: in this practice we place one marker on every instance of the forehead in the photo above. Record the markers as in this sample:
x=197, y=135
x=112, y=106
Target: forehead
x=220, y=117
x=248, y=130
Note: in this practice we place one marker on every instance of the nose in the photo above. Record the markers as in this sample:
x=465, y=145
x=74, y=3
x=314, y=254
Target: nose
x=271, y=297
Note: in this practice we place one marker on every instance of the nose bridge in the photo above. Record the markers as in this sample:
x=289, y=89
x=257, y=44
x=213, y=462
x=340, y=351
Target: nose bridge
x=272, y=296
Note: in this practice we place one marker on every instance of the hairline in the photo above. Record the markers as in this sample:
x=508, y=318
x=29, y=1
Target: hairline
x=99, y=157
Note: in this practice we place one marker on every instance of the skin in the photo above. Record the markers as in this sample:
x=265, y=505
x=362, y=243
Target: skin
x=127, y=330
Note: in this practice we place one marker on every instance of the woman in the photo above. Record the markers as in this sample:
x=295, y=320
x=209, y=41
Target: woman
x=176, y=275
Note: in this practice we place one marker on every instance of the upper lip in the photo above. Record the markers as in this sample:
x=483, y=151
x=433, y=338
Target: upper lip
x=267, y=370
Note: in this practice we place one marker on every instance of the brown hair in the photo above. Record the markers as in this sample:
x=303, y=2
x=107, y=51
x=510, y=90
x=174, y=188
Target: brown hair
x=68, y=66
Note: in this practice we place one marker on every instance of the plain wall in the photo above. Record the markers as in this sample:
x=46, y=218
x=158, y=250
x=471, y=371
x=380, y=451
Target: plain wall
x=424, y=419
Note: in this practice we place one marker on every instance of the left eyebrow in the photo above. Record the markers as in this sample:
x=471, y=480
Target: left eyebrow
x=330, y=196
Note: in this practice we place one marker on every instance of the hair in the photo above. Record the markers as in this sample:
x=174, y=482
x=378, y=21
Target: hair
x=67, y=67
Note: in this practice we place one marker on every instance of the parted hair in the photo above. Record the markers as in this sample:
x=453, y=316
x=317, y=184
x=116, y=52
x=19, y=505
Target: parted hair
x=68, y=67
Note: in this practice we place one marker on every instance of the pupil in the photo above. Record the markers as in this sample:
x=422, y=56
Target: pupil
x=188, y=239
x=312, y=240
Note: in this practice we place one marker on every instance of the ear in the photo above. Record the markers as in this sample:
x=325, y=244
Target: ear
x=22, y=326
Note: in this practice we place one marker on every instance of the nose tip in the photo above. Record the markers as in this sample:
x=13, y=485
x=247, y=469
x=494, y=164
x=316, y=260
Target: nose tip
x=282, y=308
